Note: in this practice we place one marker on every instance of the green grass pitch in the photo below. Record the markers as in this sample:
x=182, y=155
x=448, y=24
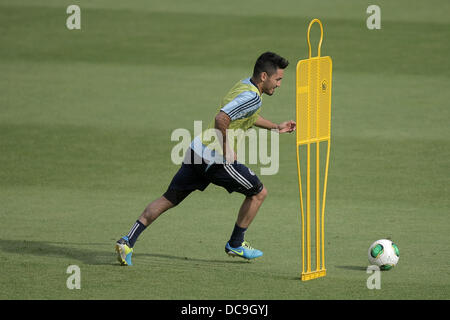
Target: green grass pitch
x=85, y=123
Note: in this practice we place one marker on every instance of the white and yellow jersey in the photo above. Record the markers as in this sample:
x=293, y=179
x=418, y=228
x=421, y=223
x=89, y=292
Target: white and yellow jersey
x=242, y=104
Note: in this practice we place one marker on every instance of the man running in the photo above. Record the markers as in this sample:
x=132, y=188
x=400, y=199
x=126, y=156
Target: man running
x=206, y=163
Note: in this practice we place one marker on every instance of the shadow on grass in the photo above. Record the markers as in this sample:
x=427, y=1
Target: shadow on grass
x=187, y=259
x=59, y=249
x=87, y=254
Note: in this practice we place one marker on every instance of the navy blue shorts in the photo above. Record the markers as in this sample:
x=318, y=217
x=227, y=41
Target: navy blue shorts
x=197, y=175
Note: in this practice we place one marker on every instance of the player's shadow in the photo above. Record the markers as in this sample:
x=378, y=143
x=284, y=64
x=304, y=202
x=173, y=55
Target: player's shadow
x=83, y=252
x=59, y=249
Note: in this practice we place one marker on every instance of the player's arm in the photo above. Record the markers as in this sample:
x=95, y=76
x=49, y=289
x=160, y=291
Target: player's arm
x=238, y=108
x=222, y=122
x=286, y=126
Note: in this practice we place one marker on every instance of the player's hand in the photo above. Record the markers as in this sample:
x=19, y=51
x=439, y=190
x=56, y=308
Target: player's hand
x=287, y=126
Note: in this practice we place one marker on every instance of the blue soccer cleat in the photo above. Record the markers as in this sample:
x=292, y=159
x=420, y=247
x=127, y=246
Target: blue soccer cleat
x=124, y=251
x=245, y=251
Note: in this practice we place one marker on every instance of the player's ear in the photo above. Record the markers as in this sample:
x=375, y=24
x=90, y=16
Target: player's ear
x=264, y=76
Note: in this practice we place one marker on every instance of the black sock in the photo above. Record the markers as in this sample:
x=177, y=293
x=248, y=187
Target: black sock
x=237, y=237
x=134, y=233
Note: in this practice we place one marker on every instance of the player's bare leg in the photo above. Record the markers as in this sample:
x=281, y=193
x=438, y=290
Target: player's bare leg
x=249, y=208
x=154, y=209
x=236, y=246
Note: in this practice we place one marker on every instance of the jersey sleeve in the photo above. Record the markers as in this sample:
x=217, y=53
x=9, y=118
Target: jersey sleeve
x=245, y=103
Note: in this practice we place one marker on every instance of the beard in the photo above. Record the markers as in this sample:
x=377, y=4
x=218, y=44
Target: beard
x=270, y=92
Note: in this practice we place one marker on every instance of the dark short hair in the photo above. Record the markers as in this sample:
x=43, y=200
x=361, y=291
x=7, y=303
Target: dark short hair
x=269, y=62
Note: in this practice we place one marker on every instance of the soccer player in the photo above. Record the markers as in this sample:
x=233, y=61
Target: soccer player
x=205, y=163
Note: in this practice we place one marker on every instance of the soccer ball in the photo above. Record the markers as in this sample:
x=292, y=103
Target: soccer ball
x=384, y=254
